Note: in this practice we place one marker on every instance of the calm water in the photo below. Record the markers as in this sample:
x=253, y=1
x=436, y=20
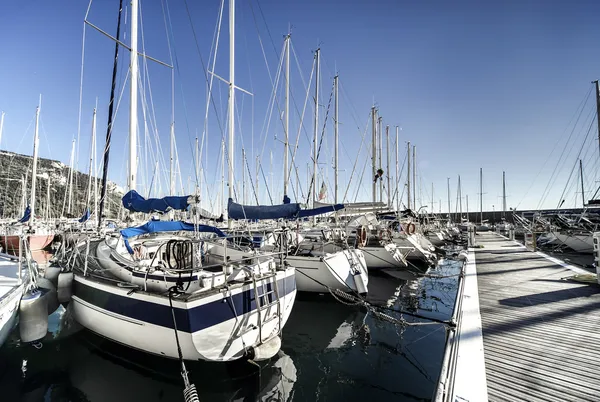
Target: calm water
x=331, y=352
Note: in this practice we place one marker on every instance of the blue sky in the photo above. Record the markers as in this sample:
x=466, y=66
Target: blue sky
x=472, y=84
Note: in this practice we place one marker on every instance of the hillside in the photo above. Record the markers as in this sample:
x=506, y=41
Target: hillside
x=15, y=167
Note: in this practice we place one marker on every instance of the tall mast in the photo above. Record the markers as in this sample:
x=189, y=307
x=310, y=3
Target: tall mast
x=459, y=199
x=380, y=140
x=432, y=204
x=133, y=92
x=408, y=175
x=48, y=199
x=414, y=161
x=481, y=192
x=374, y=150
x=317, y=74
x=1, y=125
x=231, y=100
x=244, y=176
x=90, y=170
x=286, y=143
x=449, y=209
x=111, y=104
x=387, y=168
x=503, y=194
x=397, y=177
x=336, y=166
x=36, y=140
x=172, y=159
x=598, y=109
x=467, y=198
x=581, y=177
x=23, y=194
x=223, y=203
x=70, y=192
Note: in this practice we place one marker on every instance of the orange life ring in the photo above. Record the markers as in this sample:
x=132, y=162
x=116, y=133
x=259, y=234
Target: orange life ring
x=362, y=240
x=411, y=228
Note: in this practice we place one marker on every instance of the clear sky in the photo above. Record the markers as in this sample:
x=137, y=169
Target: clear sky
x=492, y=85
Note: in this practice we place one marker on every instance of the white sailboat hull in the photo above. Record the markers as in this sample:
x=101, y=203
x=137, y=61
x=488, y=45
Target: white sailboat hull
x=332, y=271
x=9, y=306
x=582, y=243
x=144, y=321
x=388, y=256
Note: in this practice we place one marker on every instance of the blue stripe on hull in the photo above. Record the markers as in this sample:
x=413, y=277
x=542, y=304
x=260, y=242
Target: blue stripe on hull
x=188, y=320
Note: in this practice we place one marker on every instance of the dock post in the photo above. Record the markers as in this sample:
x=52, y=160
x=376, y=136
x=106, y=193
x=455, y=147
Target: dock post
x=471, y=236
x=511, y=233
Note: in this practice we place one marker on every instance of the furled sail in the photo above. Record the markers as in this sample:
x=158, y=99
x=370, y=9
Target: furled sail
x=26, y=215
x=85, y=216
x=166, y=226
x=136, y=203
x=281, y=211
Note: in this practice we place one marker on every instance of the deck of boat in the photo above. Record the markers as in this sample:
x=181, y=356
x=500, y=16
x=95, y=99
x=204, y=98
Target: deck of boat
x=528, y=333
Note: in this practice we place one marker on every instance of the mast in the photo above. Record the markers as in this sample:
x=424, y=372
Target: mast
x=36, y=140
x=460, y=199
x=503, y=194
x=223, y=203
x=90, y=170
x=481, y=192
x=48, y=199
x=70, y=193
x=111, y=104
x=172, y=160
x=449, y=210
x=317, y=80
x=414, y=161
x=408, y=174
x=23, y=194
x=581, y=177
x=387, y=147
x=244, y=176
x=397, y=177
x=468, y=220
x=432, y=204
x=231, y=100
x=286, y=144
x=133, y=89
x=336, y=166
x=374, y=150
x=1, y=125
x=380, y=140
x=598, y=109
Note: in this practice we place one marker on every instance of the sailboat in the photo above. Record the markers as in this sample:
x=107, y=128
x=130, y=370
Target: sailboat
x=176, y=289
x=322, y=265
x=38, y=236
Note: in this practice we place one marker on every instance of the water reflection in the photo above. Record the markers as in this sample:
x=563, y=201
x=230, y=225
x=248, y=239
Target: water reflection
x=331, y=351
x=88, y=368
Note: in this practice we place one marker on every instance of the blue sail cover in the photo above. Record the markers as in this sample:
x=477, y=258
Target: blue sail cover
x=26, y=215
x=319, y=211
x=136, y=203
x=85, y=216
x=285, y=211
x=165, y=226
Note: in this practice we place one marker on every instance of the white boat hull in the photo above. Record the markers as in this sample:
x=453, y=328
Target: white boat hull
x=582, y=243
x=332, y=271
x=9, y=306
x=208, y=328
x=388, y=256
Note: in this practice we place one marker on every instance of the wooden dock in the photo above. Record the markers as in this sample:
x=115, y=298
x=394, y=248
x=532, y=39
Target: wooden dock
x=535, y=335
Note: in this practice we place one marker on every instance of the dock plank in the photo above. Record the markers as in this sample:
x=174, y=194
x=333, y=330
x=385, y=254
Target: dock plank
x=540, y=331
